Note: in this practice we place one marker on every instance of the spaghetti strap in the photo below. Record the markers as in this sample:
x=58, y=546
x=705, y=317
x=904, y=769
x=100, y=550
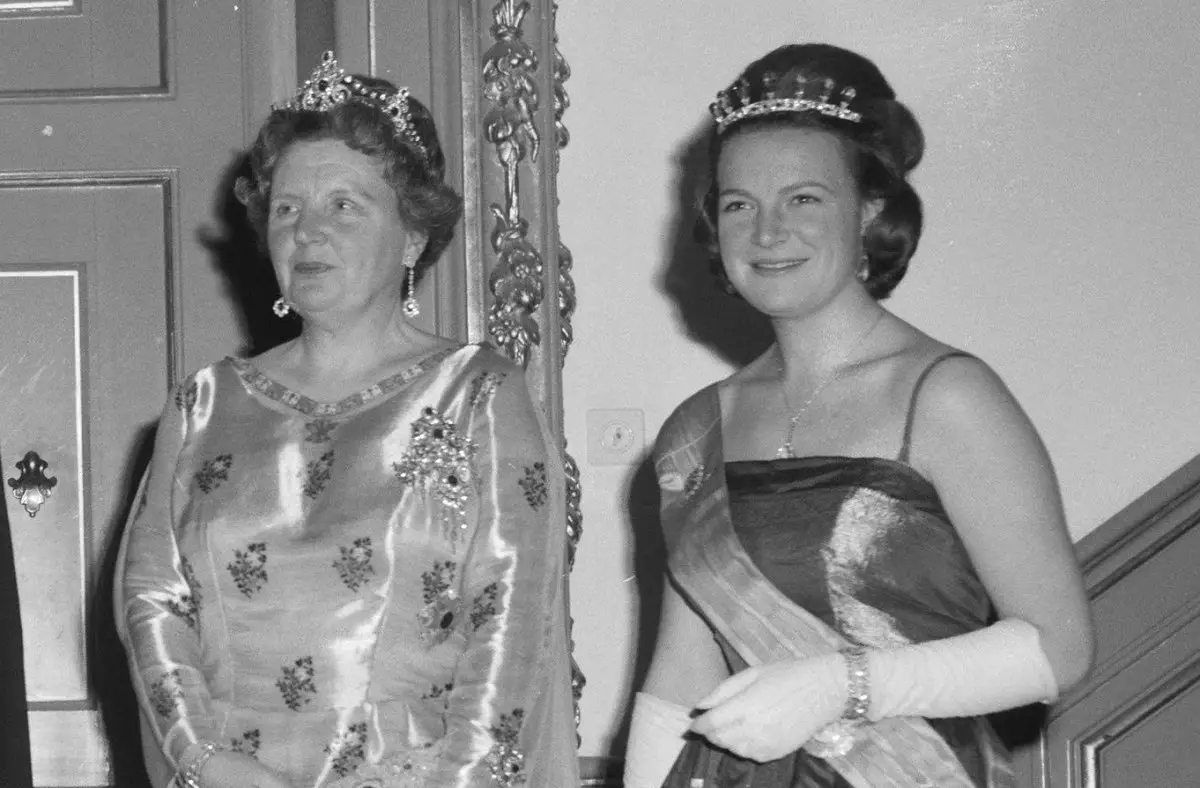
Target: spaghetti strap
x=912, y=402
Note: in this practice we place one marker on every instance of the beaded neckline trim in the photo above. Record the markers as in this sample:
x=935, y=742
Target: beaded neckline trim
x=311, y=407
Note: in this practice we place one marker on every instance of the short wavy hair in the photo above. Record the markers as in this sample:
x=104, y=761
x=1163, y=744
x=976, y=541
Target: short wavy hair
x=426, y=204
x=884, y=146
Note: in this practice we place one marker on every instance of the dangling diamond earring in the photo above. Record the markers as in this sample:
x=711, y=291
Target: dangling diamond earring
x=864, y=268
x=411, y=307
x=281, y=308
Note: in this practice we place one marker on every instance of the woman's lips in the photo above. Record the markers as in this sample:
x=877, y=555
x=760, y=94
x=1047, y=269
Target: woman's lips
x=776, y=266
x=310, y=268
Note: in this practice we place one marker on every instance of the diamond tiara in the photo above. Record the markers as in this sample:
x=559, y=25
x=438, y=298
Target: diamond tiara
x=330, y=86
x=733, y=103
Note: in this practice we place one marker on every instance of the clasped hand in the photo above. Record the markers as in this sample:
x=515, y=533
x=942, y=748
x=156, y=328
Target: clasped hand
x=766, y=712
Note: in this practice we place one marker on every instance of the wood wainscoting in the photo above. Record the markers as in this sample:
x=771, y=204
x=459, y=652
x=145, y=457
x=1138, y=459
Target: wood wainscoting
x=1136, y=720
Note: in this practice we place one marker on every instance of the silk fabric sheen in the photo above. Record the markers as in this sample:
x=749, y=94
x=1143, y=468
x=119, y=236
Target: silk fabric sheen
x=301, y=582
x=799, y=557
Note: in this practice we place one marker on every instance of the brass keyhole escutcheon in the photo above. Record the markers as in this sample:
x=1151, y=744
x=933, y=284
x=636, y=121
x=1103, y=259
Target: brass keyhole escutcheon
x=32, y=488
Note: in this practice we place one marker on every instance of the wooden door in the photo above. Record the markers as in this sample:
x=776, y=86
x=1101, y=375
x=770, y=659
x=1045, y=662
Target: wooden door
x=120, y=119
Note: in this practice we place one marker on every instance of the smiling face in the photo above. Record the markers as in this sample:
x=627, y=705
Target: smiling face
x=337, y=242
x=789, y=219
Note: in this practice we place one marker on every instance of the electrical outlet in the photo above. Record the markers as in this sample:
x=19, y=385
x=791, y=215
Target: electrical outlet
x=615, y=436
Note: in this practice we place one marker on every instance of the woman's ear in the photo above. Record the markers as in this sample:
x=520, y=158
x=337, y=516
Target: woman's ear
x=870, y=210
x=414, y=247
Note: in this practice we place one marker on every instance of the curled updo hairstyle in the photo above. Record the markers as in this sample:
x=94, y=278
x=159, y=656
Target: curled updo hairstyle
x=426, y=204
x=884, y=146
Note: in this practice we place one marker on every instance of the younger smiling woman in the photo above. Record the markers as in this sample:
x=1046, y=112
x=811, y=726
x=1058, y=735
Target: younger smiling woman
x=866, y=542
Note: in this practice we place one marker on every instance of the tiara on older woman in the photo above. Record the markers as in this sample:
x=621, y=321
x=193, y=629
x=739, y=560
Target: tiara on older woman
x=798, y=95
x=330, y=86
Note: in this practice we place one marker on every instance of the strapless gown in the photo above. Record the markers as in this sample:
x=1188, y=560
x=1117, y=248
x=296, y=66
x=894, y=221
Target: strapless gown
x=865, y=545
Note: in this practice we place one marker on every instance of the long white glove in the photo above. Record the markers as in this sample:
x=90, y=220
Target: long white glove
x=995, y=668
x=655, y=740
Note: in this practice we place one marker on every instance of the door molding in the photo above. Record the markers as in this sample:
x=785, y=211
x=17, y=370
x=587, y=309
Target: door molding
x=1139, y=573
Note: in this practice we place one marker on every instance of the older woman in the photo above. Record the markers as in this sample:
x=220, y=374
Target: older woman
x=866, y=542
x=346, y=566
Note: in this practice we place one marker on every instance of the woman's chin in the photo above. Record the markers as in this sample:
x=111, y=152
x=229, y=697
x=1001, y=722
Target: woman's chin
x=312, y=303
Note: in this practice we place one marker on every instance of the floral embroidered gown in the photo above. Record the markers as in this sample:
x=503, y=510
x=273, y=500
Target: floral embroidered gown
x=367, y=588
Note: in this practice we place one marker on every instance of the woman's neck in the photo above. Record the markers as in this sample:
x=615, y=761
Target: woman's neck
x=816, y=344
x=354, y=348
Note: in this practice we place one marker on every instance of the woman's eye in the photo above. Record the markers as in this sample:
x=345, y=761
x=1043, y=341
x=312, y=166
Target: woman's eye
x=733, y=206
x=804, y=199
x=343, y=204
x=281, y=210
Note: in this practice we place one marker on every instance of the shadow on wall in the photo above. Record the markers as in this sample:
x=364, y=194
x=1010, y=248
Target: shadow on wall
x=108, y=670
x=725, y=324
x=249, y=279
x=648, y=562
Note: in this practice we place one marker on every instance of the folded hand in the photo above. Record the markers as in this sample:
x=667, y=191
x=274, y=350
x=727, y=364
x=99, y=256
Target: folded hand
x=765, y=712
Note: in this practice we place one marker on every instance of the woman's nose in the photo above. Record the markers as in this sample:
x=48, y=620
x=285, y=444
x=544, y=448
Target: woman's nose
x=770, y=229
x=310, y=227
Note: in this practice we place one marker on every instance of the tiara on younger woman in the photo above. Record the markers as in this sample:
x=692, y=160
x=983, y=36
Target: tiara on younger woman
x=330, y=85
x=800, y=95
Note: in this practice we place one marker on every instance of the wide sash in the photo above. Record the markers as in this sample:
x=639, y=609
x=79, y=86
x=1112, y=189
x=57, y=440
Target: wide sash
x=709, y=565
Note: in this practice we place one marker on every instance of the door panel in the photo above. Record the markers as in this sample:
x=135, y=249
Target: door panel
x=41, y=313
x=77, y=42
x=121, y=120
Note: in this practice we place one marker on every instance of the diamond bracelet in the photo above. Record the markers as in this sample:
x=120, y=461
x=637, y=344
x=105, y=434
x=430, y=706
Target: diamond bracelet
x=858, y=679
x=189, y=774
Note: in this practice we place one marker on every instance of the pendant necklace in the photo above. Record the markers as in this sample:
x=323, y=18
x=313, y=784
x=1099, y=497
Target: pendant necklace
x=785, y=451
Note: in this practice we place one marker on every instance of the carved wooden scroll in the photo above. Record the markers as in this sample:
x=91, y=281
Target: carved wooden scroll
x=533, y=295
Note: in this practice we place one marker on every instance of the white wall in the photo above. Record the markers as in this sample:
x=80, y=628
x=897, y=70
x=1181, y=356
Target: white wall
x=1061, y=184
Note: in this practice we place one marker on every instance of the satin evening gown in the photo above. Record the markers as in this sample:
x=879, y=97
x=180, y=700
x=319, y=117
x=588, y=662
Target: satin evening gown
x=366, y=588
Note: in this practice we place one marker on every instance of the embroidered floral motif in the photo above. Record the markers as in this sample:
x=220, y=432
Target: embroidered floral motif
x=319, y=431
x=412, y=769
x=249, y=568
x=442, y=605
x=185, y=398
x=438, y=691
x=248, y=744
x=166, y=693
x=349, y=750
x=694, y=479
x=441, y=461
x=213, y=472
x=534, y=485
x=484, y=609
x=483, y=386
x=186, y=604
x=318, y=474
x=505, y=760
x=355, y=563
x=297, y=685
